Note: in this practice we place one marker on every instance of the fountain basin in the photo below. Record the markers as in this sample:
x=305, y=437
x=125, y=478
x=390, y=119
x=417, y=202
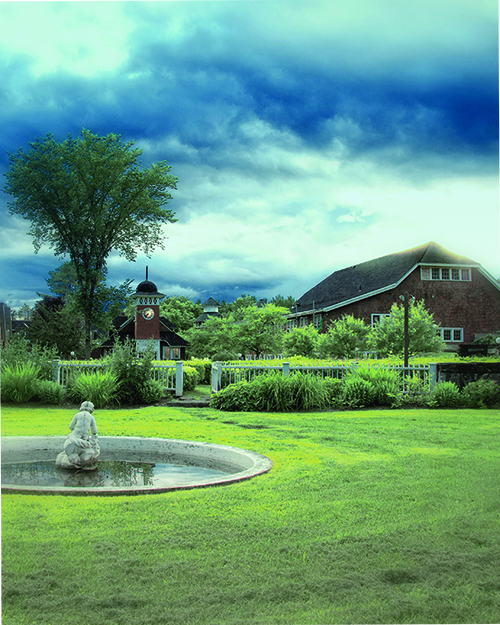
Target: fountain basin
x=224, y=464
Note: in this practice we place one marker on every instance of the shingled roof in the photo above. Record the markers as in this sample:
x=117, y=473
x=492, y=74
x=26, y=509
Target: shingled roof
x=375, y=276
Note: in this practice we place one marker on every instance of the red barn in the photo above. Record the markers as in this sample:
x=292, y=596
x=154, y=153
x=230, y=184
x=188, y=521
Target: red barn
x=463, y=297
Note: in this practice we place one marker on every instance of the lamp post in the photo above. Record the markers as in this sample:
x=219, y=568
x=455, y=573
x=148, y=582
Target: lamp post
x=406, y=303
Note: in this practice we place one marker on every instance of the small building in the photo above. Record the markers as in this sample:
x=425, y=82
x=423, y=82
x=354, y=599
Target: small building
x=462, y=296
x=210, y=311
x=147, y=326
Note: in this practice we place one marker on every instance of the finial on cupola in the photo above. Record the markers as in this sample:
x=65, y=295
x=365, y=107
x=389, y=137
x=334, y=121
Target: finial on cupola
x=146, y=272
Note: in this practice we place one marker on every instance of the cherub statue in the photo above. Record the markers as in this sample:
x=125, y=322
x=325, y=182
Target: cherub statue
x=80, y=450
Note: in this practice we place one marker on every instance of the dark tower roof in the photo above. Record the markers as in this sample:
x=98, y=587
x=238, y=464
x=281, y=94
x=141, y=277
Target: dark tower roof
x=147, y=288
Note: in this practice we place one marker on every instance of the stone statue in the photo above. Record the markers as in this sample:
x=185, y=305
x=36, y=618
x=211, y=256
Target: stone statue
x=80, y=450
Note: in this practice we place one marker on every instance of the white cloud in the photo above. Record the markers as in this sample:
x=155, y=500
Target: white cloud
x=79, y=37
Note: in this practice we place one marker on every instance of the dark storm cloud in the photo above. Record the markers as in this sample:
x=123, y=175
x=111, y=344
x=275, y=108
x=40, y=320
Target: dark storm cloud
x=204, y=86
x=263, y=110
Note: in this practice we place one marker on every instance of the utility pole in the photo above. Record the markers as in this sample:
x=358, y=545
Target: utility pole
x=406, y=303
x=407, y=338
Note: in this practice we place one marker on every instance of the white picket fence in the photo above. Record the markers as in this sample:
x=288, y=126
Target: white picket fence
x=237, y=372
x=169, y=374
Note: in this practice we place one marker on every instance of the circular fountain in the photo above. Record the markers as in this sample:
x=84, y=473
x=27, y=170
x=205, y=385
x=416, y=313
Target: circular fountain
x=127, y=465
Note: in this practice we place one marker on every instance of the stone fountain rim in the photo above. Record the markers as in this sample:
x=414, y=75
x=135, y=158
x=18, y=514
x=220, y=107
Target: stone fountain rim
x=251, y=463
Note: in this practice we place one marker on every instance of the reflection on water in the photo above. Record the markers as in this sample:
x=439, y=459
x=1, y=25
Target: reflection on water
x=110, y=473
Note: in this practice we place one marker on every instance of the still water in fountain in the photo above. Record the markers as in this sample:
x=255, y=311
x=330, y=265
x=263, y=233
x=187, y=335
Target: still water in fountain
x=109, y=473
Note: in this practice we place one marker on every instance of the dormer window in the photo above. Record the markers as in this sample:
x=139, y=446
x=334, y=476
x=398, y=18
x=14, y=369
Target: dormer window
x=445, y=273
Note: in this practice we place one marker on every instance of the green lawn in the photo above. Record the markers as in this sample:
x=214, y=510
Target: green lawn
x=366, y=517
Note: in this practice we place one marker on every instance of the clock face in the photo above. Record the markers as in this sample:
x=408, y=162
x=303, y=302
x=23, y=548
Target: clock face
x=148, y=313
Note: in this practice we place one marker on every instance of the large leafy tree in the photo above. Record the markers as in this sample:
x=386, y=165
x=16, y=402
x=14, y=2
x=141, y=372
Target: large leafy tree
x=260, y=330
x=181, y=311
x=55, y=326
x=388, y=336
x=301, y=341
x=344, y=338
x=87, y=197
x=109, y=301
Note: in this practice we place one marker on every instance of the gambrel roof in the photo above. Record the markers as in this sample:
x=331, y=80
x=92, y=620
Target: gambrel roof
x=376, y=276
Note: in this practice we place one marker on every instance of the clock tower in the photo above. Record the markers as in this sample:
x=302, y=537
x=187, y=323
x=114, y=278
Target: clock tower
x=147, y=315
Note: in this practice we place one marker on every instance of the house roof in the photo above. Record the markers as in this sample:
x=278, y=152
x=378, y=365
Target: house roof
x=375, y=276
x=173, y=340
x=206, y=315
x=210, y=302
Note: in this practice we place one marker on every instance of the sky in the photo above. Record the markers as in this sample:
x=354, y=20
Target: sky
x=306, y=136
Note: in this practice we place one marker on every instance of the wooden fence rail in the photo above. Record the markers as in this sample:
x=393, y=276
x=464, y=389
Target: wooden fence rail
x=170, y=374
x=224, y=373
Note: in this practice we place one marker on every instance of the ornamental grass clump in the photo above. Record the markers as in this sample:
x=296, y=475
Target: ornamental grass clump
x=445, y=395
x=481, y=394
x=358, y=392
x=101, y=388
x=275, y=393
x=19, y=382
x=49, y=392
x=384, y=381
x=234, y=398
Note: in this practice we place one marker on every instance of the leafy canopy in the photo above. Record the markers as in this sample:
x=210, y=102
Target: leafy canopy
x=89, y=196
x=344, y=338
x=387, y=337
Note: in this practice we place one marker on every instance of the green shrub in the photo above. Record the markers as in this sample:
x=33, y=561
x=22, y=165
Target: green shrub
x=235, y=397
x=416, y=392
x=132, y=372
x=384, y=381
x=20, y=350
x=204, y=368
x=271, y=393
x=151, y=391
x=275, y=393
x=358, y=392
x=481, y=394
x=49, y=392
x=19, y=382
x=101, y=388
x=190, y=379
x=309, y=392
x=335, y=390
x=445, y=395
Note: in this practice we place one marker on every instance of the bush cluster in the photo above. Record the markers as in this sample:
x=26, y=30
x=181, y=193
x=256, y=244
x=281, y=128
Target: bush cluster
x=274, y=393
x=364, y=387
x=133, y=375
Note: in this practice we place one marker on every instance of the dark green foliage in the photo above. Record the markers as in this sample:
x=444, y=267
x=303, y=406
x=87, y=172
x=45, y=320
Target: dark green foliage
x=190, y=378
x=359, y=393
x=56, y=326
x=335, y=390
x=19, y=382
x=236, y=397
x=383, y=380
x=344, y=338
x=275, y=393
x=133, y=373
x=151, y=391
x=49, y=392
x=481, y=394
x=204, y=368
x=20, y=350
x=101, y=388
x=301, y=341
x=181, y=311
x=445, y=395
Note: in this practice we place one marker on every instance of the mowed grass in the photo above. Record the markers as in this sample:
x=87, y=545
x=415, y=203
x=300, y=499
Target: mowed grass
x=366, y=517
